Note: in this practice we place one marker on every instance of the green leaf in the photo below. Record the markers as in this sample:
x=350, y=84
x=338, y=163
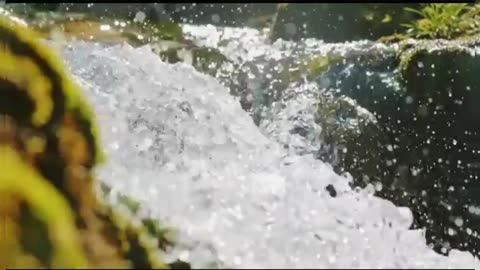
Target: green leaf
x=414, y=11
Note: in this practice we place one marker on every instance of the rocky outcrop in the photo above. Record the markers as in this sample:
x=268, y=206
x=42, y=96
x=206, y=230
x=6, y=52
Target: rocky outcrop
x=442, y=83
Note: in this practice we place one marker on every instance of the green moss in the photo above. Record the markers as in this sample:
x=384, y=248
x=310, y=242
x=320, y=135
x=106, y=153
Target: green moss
x=406, y=59
x=310, y=66
x=163, y=234
x=393, y=38
x=410, y=55
x=436, y=74
x=316, y=65
x=359, y=141
x=208, y=60
x=203, y=59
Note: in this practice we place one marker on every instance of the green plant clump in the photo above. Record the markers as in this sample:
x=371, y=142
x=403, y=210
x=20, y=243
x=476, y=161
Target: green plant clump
x=445, y=21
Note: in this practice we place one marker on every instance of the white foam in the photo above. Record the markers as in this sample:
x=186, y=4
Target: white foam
x=179, y=143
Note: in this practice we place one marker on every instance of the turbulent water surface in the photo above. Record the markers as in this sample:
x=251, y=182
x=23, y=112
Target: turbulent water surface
x=182, y=145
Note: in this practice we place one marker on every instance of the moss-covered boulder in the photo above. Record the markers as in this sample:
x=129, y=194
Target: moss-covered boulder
x=441, y=82
x=353, y=141
x=423, y=97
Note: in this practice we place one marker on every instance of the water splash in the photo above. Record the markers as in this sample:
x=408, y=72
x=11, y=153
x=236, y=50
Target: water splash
x=183, y=146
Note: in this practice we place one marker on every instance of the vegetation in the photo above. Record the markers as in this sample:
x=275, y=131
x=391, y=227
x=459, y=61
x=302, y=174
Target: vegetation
x=51, y=214
x=444, y=21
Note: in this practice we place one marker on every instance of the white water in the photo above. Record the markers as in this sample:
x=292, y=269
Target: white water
x=179, y=143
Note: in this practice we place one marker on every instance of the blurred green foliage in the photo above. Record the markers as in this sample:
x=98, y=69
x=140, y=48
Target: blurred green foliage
x=445, y=21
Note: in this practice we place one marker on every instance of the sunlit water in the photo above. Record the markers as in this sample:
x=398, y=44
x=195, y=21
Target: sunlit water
x=182, y=145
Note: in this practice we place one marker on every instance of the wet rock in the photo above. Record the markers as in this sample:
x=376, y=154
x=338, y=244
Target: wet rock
x=331, y=190
x=204, y=59
x=424, y=100
x=353, y=141
x=442, y=80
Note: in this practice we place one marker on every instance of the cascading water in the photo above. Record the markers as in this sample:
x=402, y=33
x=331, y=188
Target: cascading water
x=358, y=107
x=241, y=196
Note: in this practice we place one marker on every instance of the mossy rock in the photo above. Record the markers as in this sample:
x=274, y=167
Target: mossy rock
x=440, y=72
x=353, y=141
x=314, y=66
x=392, y=39
x=426, y=113
x=203, y=59
x=442, y=85
x=48, y=139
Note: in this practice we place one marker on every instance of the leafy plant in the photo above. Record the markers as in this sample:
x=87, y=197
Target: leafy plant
x=446, y=21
